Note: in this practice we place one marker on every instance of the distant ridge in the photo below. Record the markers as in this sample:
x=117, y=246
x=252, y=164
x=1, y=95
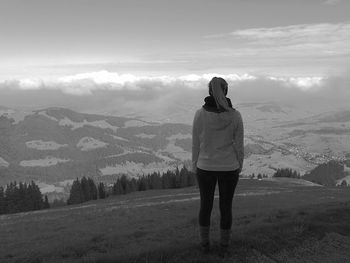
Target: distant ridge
x=56, y=144
x=326, y=174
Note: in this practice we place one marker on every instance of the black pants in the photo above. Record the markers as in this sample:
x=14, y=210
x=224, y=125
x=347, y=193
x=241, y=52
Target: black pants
x=227, y=184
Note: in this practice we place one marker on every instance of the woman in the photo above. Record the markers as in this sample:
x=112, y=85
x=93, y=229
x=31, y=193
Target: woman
x=217, y=156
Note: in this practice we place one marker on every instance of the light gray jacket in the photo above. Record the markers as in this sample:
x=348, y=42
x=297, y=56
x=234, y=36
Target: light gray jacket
x=217, y=140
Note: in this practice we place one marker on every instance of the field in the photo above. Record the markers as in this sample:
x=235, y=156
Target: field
x=274, y=221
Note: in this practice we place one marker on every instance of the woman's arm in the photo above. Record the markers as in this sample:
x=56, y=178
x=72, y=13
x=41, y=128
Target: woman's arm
x=239, y=140
x=195, y=141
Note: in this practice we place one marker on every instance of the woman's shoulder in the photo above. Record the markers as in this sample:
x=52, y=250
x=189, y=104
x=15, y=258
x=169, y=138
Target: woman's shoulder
x=236, y=114
x=198, y=113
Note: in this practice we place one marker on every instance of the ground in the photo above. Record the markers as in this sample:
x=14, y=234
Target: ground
x=273, y=222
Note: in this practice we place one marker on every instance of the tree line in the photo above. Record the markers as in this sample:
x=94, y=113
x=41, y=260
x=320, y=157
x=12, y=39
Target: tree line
x=85, y=189
x=21, y=197
x=286, y=172
x=258, y=176
x=171, y=179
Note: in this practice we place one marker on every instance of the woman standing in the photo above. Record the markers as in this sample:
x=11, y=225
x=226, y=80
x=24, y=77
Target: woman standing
x=217, y=156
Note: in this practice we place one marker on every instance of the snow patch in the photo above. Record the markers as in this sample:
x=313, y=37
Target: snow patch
x=179, y=136
x=3, y=162
x=49, y=188
x=119, y=138
x=177, y=151
x=89, y=143
x=268, y=164
x=136, y=169
x=16, y=115
x=42, y=145
x=75, y=125
x=66, y=182
x=135, y=123
x=48, y=161
x=161, y=155
x=43, y=113
x=144, y=135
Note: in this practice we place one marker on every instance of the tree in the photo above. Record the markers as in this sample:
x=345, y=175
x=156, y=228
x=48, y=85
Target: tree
x=85, y=187
x=124, y=184
x=93, y=188
x=166, y=180
x=37, y=199
x=142, y=184
x=2, y=201
x=76, y=195
x=133, y=185
x=118, y=188
x=46, y=203
x=286, y=172
x=344, y=183
x=20, y=198
x=58, y=203
x=101, y=191
x=155, y=181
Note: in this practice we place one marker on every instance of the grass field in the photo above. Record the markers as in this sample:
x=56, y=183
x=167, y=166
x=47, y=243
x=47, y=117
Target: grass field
x=273, y=222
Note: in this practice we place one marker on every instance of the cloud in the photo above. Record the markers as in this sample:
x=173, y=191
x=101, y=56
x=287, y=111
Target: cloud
x=174, y=97
x=306, y=32
x=86, y=83
x=323, y=34
x=322, y=46
x=332, y=2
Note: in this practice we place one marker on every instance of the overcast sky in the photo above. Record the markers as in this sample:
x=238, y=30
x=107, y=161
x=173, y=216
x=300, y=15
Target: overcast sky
x=48, y=38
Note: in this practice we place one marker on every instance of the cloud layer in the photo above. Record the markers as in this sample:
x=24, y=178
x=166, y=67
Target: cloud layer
x=165, y=97
x=86, y=83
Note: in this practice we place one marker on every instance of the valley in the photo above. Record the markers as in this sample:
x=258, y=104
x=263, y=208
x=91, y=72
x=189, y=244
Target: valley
x=55, y=145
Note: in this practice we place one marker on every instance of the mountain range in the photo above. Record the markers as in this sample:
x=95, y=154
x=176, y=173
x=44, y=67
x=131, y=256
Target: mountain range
x=55, y=145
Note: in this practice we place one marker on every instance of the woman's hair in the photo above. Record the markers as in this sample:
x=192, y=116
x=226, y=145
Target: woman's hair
x=218, y=90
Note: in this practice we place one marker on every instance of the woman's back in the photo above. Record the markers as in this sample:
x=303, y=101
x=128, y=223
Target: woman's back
x=215, y=134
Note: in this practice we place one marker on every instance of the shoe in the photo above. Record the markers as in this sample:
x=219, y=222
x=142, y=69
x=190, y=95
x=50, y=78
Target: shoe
x=223, y=250
x=205, y=248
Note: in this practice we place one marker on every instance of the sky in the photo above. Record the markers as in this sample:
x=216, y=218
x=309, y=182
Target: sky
x=286, y=37
x=78, y=46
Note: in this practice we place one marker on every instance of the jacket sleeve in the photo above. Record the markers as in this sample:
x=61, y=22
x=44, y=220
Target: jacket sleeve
x=239, y=140
x=195, y=141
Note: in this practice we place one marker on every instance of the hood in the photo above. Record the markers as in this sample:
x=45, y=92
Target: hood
x=220, y=121
x=210, y=105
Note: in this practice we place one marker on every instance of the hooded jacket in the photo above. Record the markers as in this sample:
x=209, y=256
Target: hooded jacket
x=217, y=138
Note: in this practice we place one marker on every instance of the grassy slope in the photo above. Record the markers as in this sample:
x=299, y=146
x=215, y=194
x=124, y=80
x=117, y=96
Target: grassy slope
x=273, y=222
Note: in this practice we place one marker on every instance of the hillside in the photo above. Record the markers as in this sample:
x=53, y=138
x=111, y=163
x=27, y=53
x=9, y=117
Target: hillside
x=326, y=174
x=272, y=221
x=57, y=144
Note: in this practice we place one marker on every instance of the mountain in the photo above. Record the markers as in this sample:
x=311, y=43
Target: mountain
x=54, y=145
x=327, y=174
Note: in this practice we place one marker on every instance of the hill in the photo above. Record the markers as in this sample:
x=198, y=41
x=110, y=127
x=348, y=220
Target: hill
x=56, y=144
x=326, y=174
x=272, y=222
